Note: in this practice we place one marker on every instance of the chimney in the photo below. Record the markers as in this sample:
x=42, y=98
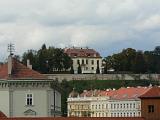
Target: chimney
x=9, y=65
x=28, y=64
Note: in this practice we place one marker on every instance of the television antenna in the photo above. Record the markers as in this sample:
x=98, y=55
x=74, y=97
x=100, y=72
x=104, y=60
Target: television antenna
x=11, y=49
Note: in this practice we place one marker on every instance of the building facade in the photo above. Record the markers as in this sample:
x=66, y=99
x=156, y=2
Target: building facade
x=27, y=93
x=123, y=102
x=88, y=59
x=151, y=104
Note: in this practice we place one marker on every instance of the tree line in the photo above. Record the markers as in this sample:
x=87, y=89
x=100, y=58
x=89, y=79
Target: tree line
x=48, y=60
x=51, y=59
x=132, y=61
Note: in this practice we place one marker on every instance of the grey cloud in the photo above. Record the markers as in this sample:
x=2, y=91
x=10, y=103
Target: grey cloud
x=106, y=25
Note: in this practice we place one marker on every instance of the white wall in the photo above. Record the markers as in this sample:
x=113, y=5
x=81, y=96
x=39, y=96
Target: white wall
x=57, y=101
x=4, y=102
x=39, y=99
x=89, y=65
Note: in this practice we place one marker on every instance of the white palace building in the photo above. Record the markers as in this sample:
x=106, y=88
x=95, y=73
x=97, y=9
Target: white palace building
x=88, y=59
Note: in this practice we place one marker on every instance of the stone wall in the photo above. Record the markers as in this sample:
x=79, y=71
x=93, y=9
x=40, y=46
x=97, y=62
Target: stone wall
x=69, y=77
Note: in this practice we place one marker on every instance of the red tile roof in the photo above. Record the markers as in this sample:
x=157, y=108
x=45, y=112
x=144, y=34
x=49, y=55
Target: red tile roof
x=90, y=93
x=154, y=92
x=19, y=71
x=122, y=93
x=76, y=118
x=129, y=93
x=82, y=52
x=2, y=115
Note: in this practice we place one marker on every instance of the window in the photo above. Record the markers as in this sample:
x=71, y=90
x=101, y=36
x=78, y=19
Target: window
x=127, y=105
x=92, y=62
x=134, y=105
x=106, y=105
x=92, y=68
x=78, y=62
x=102, y=106
x=121, y=105
x=82, y=61
x=124, y=105
x=29, y=99
x=92, y=106
x=111, y=106
x=86, y=68
x=150, y=108
x=114, y=106
x=134, y=114
x=87, y=62
x=130, y=105
x=97, y=62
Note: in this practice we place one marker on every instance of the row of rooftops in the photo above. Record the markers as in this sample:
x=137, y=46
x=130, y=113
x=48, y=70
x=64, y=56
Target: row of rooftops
x=82, y=52
x=120, y=94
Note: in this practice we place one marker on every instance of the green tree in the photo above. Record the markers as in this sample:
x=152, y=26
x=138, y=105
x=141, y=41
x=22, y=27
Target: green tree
x=43, y=58
x=97, y=70
x=32, y=56
x=47, y=59
x=72, y=70
x=139, y=64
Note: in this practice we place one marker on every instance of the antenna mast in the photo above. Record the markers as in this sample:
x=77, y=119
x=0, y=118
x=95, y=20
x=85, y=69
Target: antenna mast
x=11, y=49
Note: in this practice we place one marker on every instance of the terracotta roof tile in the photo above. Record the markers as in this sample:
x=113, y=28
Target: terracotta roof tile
x=122, y=93
x=19, y=71
x=154, y=92
x=129, y=93
x=82, y=52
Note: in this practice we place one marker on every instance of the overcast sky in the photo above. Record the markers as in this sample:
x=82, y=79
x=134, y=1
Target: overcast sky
x=105, y=25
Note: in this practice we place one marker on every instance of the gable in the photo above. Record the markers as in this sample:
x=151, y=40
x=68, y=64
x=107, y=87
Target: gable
x=30, y=112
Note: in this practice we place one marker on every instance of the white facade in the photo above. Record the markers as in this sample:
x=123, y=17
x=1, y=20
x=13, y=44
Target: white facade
x=88, y=65
x=123, y=102
x=106, y=107
x=29, y=98
x=99, y=106
x=124, y=108
x=87, y=58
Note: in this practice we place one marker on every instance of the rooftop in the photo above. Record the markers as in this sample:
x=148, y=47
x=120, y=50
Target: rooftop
x=154, y=92
x=82, y=52
x=122, y=93
x=18, y=71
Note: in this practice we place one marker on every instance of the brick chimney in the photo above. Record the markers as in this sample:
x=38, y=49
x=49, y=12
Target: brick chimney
x=9, y=65
x=28, y=64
